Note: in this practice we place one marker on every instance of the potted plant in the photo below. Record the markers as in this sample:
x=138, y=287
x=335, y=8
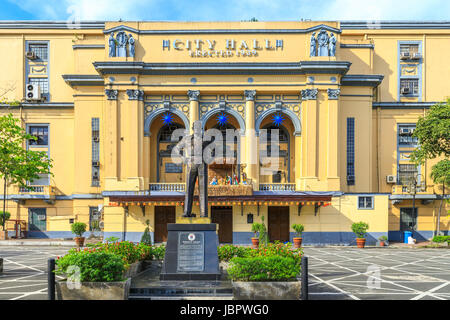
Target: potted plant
x=298, y=228
x=78, y=228
x=383, y=240
x=256, y=229
x=3, y=231
x=360, y=230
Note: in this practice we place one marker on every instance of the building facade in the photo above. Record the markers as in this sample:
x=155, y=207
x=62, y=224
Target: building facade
x=104, y=98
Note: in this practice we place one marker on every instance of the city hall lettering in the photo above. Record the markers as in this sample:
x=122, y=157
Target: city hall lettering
x=228, y=48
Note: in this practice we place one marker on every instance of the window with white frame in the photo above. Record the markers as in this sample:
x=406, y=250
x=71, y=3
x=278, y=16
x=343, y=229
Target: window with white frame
x=365, y=202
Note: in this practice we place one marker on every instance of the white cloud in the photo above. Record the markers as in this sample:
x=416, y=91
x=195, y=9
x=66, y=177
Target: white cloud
x=226, y=10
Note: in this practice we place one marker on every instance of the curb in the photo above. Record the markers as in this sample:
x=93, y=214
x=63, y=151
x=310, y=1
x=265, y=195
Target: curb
x=37, y=243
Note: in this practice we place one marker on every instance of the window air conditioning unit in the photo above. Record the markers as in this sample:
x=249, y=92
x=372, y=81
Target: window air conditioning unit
x=41, y=217
x=96, y=163
x=405, y=55
x=405, y=131
x=391, y=179
x=96, y=139
x=417, y=56
x=33, y=92
x=405, y=90
x=31, y=55
x=351, y=178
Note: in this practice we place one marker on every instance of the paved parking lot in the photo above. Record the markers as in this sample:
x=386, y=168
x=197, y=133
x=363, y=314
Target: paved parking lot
x=24, y=274
x=334, y=273
x=378, y=273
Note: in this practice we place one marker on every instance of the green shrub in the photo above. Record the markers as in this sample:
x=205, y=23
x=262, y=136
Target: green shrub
x=272, y=268
x=277, y=249
x=383, y=238
x=227, y=252
x=360, y=229
x=298, y=228
x=146, y=237
x=7, y=216
x=441, y=239
x=111, y=239
x=129, y=251
x=94, y=266
x=78, y=228
x=158, y=252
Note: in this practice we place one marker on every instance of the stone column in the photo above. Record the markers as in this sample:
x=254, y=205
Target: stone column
x=309, y=137
x=251, y=157
x=135, y=141
x=333, y=155
x=111, y=125
x=194, y=113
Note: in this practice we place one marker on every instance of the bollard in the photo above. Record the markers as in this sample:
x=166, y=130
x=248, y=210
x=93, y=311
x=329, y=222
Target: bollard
x=304, y=293
x=51, y=279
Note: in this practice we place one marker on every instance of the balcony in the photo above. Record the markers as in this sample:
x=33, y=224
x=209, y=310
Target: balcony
x=168, y=187
x=46, y=193
x=277, y=187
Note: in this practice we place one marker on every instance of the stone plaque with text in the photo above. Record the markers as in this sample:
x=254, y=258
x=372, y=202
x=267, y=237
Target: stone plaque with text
x=191, y=251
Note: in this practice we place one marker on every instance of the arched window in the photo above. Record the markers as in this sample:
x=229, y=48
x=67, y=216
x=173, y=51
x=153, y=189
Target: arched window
x=282, y=172
x=168, y=171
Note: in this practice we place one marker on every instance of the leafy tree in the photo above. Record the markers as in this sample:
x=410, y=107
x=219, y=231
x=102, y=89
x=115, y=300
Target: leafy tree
x=433, y=134
x=17, y=164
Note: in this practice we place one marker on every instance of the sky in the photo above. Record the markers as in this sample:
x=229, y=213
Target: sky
x=224, y=10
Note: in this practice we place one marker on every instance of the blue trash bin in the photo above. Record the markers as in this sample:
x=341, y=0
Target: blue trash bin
x=406, y=235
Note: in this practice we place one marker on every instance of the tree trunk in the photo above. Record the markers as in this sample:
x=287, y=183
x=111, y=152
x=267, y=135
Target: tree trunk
x=4, y=204
x=438, y=227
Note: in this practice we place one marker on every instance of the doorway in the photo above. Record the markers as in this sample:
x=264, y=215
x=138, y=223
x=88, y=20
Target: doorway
x=278, y=220
x=163, y=216
x=223, y=216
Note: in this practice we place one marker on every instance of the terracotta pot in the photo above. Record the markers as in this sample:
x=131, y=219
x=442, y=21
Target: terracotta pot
x=79, y=241
x=382, y=244
x=360, y=242
x=297, y=243
x=255, y=243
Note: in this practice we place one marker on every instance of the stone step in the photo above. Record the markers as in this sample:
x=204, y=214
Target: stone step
x=180, y=297
x=181, y=291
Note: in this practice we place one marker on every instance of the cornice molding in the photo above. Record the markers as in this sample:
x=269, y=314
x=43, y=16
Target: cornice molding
x=88, y=46
x=362, y=80
x=303, y=67
x=221, y=31
x=83, y=80
x=37, y=24
x=371, y=24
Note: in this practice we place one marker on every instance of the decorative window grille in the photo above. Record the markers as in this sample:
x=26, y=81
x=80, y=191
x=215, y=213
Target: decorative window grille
x=95, y=152
x=40, y=49
x=350, y=151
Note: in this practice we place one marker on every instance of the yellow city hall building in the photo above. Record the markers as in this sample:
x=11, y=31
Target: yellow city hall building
x=103, y=99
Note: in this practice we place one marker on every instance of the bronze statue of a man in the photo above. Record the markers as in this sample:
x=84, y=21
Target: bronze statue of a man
x=196, y=168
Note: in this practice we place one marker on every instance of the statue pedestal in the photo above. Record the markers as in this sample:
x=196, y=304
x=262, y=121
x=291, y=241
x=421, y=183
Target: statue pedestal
x=191, y=252
x=193, y=220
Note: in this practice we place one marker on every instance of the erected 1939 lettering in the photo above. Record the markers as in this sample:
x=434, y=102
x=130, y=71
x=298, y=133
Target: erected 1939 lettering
x=191, y=251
